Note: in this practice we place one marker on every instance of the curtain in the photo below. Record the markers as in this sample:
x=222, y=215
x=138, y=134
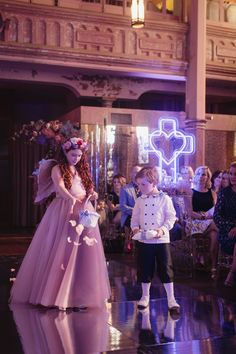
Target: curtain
x=25, y=157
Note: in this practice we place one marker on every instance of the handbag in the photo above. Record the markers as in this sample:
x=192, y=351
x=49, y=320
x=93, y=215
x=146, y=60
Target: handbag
x=89, y=218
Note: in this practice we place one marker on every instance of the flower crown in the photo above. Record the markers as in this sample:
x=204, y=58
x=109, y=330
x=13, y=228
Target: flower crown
x=75, y=143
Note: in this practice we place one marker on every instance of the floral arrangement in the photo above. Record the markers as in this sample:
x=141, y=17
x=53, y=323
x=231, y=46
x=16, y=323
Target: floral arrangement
x=53, y=134
x=54, y=131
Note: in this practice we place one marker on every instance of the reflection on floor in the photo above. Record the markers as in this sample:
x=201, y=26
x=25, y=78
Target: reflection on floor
x=207, y=323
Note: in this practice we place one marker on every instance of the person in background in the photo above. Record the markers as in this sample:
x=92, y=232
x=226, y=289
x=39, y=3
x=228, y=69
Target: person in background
x=185, y=182
x=102, y=210
x=158, y=173
x=201, y=213
x=113, y=199
x=225, y=179
x=181, y=198
x=220, y=180
x=153, y=216
x=128, y=196
x=225, y=220
x=216, y=180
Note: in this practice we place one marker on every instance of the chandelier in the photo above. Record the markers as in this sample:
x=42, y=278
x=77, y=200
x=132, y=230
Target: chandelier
x=137, y=13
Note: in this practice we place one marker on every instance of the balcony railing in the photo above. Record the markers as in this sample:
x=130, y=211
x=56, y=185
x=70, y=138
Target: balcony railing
x=90, y=32
x=92, y=38
x=221, y=11
x=153, y=9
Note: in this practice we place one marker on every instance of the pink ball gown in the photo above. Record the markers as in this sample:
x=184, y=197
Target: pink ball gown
x=61, y=268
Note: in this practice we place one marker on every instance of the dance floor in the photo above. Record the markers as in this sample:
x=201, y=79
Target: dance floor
x=207, y=323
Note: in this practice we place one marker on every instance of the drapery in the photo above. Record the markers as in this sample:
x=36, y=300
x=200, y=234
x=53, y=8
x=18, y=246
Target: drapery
x=25, y=157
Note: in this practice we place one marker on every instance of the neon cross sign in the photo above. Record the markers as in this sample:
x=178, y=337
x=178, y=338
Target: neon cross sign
x=167, y=133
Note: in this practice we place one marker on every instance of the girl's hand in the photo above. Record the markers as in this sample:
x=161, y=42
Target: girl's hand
x=135, y=231
x=72, y=201
x=94, y=196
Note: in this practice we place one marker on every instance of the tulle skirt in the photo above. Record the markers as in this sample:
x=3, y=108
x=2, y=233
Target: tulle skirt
x=61, y=268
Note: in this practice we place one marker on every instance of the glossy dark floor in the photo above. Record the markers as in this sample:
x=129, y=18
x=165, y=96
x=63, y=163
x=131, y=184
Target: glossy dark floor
x=207, y=323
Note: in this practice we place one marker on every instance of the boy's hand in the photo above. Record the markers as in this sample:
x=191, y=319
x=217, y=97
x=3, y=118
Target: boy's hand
x=159, y=234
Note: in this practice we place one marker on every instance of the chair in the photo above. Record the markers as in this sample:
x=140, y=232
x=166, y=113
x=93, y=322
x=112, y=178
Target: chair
x=182, y=257
x=200, y=245
x=113, y=241
x=224, y=261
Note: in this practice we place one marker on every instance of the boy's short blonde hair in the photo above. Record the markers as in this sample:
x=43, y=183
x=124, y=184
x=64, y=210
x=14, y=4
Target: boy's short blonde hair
x=149, y=173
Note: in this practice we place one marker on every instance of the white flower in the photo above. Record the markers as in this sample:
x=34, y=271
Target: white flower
x=90, y=241
x=62, y=267
x=73, y=223
x=79, y=229
x=74, y=141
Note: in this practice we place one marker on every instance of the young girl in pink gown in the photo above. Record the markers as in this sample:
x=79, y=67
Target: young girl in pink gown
x=64, y=266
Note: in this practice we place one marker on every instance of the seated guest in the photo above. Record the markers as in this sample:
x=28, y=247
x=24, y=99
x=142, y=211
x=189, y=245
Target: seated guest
x=216, y=180
x=101, y=209
x=225, y=219
x=184, y=184
x=183, y=191
x=220, y=180
x=225, y=179
x=113, y=200
x=158, y=173
x=201, y=212
x=176, y=232
x=164, y=181
x=128, y=196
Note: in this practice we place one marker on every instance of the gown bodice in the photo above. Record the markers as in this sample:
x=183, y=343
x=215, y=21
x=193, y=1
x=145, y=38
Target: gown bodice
x=77, y=189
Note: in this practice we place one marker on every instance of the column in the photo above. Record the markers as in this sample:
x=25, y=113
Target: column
x=107, y=101
x=196, y=81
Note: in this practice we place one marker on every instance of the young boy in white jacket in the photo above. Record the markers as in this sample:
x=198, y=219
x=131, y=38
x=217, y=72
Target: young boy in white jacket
x=152, y=218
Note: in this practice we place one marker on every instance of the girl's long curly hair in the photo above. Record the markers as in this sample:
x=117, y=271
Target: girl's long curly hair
x=82, y=168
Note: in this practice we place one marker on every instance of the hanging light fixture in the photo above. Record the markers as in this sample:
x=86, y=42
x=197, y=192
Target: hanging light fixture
x=137, y=13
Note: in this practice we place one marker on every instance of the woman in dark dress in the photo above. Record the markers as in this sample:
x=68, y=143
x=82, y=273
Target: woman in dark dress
x=225, y=179
x=216, y=180
x=201, y=213
x=225, y=219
